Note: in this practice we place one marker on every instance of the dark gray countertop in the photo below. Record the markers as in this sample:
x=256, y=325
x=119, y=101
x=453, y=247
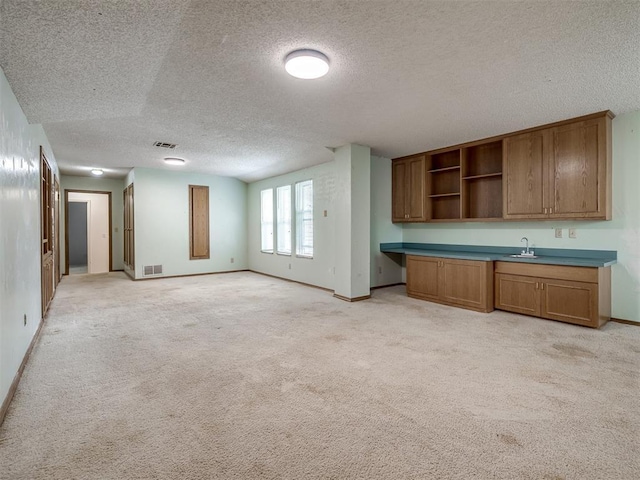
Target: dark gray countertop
x=548, y=256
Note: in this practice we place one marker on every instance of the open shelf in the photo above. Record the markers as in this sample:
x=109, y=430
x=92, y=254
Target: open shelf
x=444, y=160
x=444, y=195
x=483, y=197
x=445, y=207
x=444, y=182
x=483, y=159
x=487, y=175
x=438, y=170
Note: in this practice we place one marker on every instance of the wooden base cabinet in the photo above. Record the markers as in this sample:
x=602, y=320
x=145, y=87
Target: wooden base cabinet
x=580, y=295
x=461, y=283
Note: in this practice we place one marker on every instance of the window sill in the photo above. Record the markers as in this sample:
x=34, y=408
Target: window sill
x=283, y=254
x=270, y=252
x=308, y=257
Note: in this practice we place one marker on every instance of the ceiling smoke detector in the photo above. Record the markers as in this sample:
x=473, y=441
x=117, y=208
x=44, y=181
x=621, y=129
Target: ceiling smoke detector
x=165, y=145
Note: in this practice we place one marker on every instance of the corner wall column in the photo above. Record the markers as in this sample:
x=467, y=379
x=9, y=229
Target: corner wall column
x=353, y=222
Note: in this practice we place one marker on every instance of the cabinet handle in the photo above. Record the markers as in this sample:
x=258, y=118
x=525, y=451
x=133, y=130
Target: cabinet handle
x=545, y=210
x=551, y=210
x=537, y=286
x=542, y=286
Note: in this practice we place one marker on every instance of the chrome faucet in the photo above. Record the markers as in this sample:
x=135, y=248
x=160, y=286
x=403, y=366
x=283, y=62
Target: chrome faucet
x=526, y=251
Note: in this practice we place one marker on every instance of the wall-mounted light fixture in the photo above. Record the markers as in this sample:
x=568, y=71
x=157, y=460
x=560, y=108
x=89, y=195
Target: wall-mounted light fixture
x=306, y=64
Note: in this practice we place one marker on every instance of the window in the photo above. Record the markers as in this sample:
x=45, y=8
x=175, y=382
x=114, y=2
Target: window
x=283, y=217
x=266, y=220
x=304, y=218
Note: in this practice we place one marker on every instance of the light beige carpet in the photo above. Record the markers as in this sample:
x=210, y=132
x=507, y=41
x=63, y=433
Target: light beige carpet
x=242, y=376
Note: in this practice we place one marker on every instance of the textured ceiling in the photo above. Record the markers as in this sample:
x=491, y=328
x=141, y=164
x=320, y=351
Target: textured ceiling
x=108, y=78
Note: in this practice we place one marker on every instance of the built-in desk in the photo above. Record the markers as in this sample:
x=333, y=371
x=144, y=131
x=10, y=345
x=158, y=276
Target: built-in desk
x=559, y=284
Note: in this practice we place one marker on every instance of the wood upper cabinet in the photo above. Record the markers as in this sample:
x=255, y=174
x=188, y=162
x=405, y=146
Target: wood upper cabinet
x=559, y=172
x=408, y=189
x=461, y=283
x=580, y=169
x=523, y=175
x=580, y=295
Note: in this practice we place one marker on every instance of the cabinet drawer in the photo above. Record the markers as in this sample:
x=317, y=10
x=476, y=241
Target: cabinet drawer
x=578, y=274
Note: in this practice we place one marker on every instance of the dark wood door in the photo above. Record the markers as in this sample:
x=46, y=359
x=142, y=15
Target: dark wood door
x=399, y=173
x=577, y=166
x=568, y=301
x=467, y=283
x=47, y=230
x=422, y=277
x=516, y=293
x=524, y=175
x=415, y=194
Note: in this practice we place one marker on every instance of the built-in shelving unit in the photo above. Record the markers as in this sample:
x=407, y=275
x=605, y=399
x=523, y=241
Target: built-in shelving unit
x=465, y=183
x=482, y=181
x=525, y=175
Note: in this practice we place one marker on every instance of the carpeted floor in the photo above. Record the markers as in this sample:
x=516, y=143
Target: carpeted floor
x=242, y=376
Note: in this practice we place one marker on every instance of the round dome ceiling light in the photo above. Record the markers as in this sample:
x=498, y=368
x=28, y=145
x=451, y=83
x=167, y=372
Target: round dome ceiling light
x=306, y=64
x=174, y=161
x=97, y=172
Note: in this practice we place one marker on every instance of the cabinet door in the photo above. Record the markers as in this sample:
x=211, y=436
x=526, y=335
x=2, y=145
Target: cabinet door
x=567, y=301
x=466, y=283
x=577, y=170
x=519, y=294
x=415, y=199
x=422, y=277
x=399, y=174
x=524, y=175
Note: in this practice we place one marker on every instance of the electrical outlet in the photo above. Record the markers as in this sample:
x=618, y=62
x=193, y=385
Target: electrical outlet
x=289, y=266
x=325, y=213
x=572, y=233
x=558, y=233
x=25, y=319
x=232, y=260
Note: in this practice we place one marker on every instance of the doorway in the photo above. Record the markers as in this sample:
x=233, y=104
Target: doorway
x=87, y=232
x=78, y=224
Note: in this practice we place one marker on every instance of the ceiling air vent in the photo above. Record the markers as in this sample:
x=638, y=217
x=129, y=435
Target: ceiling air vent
x=165, y=145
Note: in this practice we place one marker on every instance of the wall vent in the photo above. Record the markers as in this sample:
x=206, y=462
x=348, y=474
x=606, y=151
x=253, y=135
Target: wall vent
x=165, y=145
x=152, y=270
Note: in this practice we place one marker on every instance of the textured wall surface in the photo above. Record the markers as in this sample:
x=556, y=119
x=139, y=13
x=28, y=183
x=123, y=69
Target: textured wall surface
x=384, y=269
x=162, y=222
x=19, y=232
x=319, y=269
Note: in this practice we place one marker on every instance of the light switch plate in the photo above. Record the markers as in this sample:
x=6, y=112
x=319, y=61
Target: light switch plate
x=572, y=233
x=558, y=233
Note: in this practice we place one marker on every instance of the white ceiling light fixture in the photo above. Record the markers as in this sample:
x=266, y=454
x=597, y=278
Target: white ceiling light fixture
x=97, y=172
x=174, y=161
x=306, y=64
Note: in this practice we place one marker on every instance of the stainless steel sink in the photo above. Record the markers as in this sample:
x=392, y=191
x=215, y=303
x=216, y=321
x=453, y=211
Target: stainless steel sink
x=523, y=256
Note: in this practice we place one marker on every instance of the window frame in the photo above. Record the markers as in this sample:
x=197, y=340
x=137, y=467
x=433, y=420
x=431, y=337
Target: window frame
x=299, y=219
x=263, y=223
x=282, y=210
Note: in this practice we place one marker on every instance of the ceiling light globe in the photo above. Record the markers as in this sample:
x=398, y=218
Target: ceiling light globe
x=306, y=64
x=174, y=161
x=97, y=172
